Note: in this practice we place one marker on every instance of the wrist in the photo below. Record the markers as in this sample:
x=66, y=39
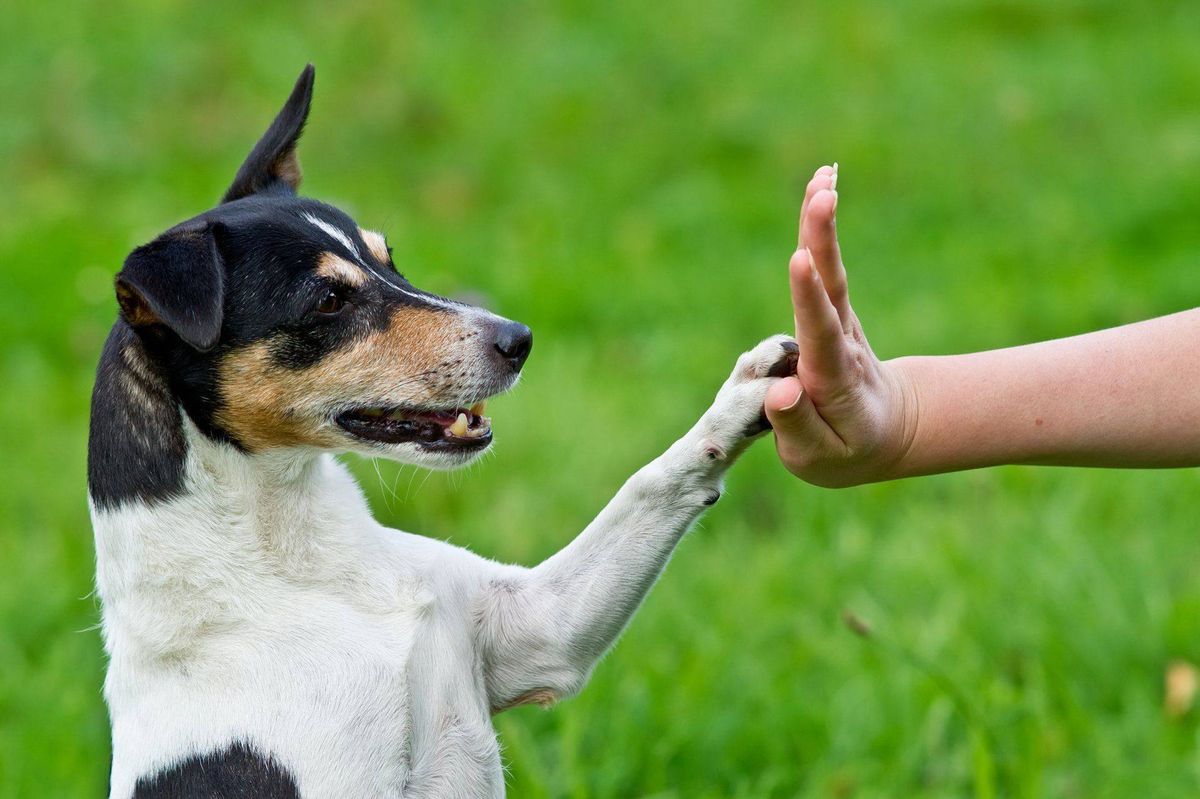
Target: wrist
x=905, y=419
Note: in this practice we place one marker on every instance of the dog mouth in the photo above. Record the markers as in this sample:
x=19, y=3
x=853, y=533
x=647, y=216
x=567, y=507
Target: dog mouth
x=435, y=429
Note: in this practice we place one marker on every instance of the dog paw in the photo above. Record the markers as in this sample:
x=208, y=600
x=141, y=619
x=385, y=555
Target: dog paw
x=776, y=356
x=736, y=415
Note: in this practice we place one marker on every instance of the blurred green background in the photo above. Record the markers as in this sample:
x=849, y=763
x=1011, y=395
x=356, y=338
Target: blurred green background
x=625, y=177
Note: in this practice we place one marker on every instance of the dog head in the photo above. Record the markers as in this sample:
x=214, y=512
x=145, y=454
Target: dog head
x=279, y=322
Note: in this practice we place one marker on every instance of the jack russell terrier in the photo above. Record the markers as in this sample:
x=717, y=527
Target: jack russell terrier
x=266, y=636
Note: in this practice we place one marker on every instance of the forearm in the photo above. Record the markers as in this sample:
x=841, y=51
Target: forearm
x=547, y=627
x=599, y=579
x=1124, y=397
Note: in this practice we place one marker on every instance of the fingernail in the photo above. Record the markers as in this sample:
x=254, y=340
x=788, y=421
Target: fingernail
x=835, y=199
x=833, y=178
x=796, y=401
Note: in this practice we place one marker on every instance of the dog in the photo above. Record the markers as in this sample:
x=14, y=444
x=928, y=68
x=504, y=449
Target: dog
x=266, y=637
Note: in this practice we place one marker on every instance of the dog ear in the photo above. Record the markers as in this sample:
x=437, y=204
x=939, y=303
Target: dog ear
x=177, y=282
x=272, y=164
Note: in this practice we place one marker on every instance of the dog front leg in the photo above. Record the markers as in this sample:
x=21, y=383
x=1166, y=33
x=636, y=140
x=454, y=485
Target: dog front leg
x=543, y=629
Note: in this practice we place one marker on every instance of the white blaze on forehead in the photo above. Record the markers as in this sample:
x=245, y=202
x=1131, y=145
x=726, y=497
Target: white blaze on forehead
x=429, y=299
x=335, y=233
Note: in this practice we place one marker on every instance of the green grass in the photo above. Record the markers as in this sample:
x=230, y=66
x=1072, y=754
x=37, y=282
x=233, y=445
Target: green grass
x=624, y=177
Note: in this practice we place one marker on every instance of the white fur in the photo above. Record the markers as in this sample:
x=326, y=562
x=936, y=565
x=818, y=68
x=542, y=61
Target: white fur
x=345, y=240
x=266, y=605
x=333, y=232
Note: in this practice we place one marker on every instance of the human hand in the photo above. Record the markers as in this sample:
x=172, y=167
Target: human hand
x=845, y=418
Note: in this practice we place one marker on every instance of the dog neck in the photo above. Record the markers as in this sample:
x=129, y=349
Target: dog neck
x=188, y=525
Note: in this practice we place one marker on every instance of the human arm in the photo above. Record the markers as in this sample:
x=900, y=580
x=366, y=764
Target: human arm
x=1124, y=397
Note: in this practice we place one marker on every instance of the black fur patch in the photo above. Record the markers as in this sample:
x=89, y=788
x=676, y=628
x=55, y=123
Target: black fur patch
x=238, y=772
x=175, y=281
x=136, y=447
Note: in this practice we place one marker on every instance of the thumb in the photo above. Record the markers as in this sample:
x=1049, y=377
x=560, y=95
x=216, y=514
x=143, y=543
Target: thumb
x=790, y=411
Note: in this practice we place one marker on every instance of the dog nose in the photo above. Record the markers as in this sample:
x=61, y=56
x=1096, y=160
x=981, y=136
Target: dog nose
x=514, y=341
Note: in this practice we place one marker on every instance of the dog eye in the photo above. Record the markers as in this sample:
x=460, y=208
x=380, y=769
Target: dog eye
x=331, y=303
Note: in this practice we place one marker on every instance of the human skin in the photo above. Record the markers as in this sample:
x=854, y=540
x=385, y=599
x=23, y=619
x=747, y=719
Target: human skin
x=1123, y=397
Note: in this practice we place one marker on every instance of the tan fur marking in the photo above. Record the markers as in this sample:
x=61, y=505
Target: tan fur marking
x=543, y=697
x=136, y=312
x=377, y=245
x=287, y=169
x=265, y=405
x=341, y=270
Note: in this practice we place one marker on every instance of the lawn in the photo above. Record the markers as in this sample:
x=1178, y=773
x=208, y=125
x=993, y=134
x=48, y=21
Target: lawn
x=624, y=177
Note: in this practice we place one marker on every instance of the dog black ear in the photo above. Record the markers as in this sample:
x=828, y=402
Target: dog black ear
x=176, y=282
x=272, y=164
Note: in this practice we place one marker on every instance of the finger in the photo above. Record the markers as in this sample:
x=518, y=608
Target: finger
x=820, y=231
x=818, y=327
x=820, y=180
x=799, y=428
x=791, y=412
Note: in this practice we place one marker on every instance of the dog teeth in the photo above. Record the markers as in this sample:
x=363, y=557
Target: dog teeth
x=460, y=427
x=479, y=407
x=482, y=429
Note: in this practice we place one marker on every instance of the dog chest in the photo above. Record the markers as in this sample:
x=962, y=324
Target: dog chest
x=322, y=689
